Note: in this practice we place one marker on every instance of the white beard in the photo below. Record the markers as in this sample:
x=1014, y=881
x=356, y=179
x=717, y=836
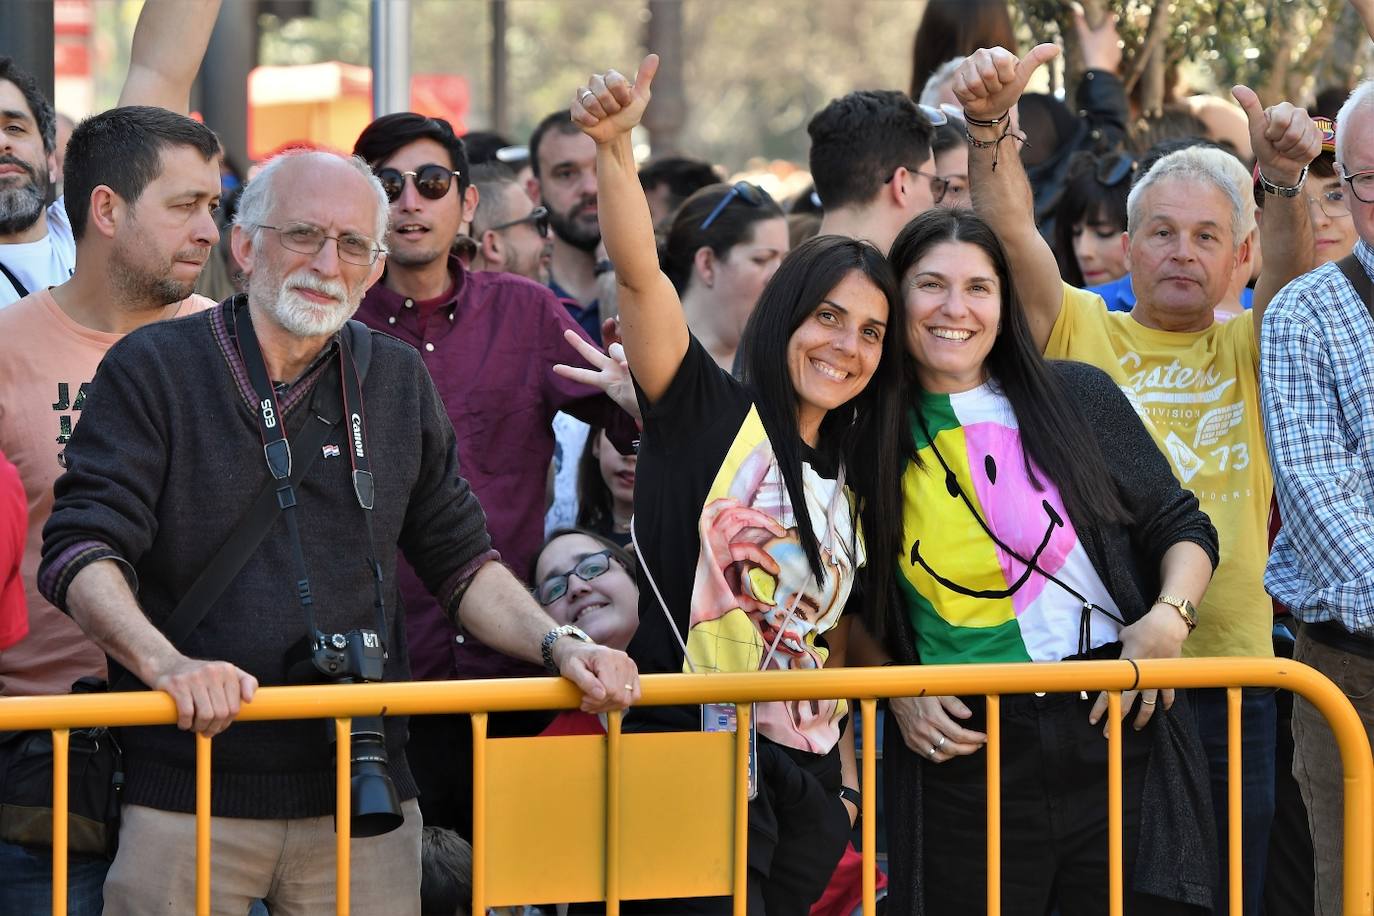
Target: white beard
x=303, y=318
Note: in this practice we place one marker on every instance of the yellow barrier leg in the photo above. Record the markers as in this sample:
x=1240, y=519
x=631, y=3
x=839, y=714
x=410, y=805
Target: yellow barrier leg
x=343, y=813
x=869, y=815
x=1233, y=801
x=994, y=793
x=60, y=742
x=479, y=812
x=613, y=814
x=743, y=722
x=202, y=825
x=1116, y=884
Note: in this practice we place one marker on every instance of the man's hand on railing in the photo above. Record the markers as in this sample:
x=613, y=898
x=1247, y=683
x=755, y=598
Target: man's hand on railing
x=207, y=693
x=1159, y=634
x=607, y=677
x=928, y=730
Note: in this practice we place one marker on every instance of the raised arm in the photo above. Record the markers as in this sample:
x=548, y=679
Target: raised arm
x=1284, y=140
x=1366, y=10
x=651, y=318
x=169, y=44
x=988, y=84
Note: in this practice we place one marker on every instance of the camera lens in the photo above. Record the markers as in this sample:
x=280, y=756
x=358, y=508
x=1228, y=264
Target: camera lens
x=376, y=808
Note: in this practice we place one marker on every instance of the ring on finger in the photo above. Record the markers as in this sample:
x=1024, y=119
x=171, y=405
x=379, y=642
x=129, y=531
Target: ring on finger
x=582, y=97
x=941, y=743
x=931, y=752
x=1148, y=702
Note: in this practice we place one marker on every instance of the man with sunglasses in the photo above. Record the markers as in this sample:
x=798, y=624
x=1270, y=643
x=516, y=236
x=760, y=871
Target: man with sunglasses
x=1318, y=383
x=511, y=234
x=490, y=341
x=872, y=163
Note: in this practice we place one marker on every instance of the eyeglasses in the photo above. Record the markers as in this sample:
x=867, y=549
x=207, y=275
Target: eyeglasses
x=1361, y=185
x=751, y=195
x=938, y=185
x=307, y=239
x=539, y=216
x=587, y=569
x=1332, y=203
x=431, y=181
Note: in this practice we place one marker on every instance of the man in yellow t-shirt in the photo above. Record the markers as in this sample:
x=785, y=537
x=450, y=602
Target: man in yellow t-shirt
x=1194, y=382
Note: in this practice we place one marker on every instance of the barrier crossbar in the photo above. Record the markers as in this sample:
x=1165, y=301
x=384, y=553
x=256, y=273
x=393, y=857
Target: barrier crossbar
x=342, y=702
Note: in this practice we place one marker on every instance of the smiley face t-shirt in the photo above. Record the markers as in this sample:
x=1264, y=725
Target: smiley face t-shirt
x=968, y=597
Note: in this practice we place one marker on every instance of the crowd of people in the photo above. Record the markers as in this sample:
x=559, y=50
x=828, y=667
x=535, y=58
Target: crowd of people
x=446, y=407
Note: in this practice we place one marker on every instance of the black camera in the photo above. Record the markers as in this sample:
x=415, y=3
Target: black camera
x=359, y=656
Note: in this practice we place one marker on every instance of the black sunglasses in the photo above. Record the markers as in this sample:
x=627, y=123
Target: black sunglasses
x=751, y=195
x=431, y=181
x=1112, y=169
x=588, y=568
x=539, y=216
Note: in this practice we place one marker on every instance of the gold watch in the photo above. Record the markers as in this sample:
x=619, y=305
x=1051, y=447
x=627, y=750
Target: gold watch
x=1184, y=607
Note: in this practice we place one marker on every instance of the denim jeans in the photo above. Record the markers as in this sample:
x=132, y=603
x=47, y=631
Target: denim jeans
x=26, y=885
x=1259, y=714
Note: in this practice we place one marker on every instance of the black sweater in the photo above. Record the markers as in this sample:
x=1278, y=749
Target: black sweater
x=1177, y=859
x=168, y=457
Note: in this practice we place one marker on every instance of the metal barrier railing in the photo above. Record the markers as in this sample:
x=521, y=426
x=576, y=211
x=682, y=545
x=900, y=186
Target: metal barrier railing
x=340, y=702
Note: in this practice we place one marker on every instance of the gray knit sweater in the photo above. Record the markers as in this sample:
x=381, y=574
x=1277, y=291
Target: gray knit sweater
x=166, y=459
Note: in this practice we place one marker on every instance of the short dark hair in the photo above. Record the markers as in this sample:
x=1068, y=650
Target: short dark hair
x=387, y=134
x=492, y=179
x=1085, y=198
x=39, y=106
x=947, y=137
x=683, y=176
x=858, y=140
x=865, y=433
x=731, y=226
x=558, y=121
x=122, y=149
x=482, y=145
x=445, y=872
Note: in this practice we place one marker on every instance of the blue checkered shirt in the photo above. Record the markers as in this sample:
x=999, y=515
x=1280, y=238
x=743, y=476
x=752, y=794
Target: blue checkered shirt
x=1317, y=375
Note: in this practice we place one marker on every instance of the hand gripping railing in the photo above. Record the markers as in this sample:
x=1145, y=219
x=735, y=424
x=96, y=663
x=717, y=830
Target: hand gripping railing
x=867, y=685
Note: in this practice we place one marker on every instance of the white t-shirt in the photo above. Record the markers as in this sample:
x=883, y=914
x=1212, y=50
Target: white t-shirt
x=46, y=262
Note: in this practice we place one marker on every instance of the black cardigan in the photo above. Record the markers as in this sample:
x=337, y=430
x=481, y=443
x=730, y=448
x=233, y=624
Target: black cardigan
x=1177, y=857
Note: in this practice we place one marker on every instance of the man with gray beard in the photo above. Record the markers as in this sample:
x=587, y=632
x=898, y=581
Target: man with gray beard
x=165, y=463
x=37, y=246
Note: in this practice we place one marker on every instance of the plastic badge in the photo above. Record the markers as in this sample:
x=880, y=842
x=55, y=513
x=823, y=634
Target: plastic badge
x=720, y=717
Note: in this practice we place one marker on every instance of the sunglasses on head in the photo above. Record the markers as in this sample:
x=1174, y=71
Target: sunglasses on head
x=431, y=181
x=750, y=194
x=539, y=216
x=588, y=568
x=1114, y=168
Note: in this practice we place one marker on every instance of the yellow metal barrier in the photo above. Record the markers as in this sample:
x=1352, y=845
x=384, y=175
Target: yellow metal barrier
x=623, y=862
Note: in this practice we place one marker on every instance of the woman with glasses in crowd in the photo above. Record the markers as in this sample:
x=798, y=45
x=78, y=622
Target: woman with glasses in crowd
x=722, y=247
x=1090, y=219
x=1041, y=524
x=1328, y=201
x=757, y=499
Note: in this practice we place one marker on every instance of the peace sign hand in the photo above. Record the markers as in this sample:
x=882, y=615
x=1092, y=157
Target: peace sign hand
x=609, y=105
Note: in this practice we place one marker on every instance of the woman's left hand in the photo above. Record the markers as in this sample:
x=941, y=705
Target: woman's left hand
x=1159, y=634
x=610, y=372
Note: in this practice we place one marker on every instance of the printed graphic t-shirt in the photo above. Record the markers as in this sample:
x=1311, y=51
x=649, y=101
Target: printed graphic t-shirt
x=1198, y=395
x=967, y=597
x=47, y=362
x=712, y=519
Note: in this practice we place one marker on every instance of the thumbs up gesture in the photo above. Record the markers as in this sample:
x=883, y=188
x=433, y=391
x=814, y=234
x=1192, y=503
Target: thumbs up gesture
x=1283, y=137
x=610, y=105
x=991, y=80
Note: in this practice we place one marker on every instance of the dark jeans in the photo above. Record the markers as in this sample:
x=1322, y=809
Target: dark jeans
x=1259, y=720
x=1054, y=815
x=1289, y=875
x=26, y=882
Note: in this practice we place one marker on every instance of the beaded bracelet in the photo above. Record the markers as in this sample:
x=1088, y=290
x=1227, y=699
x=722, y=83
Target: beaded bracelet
x=995, y=144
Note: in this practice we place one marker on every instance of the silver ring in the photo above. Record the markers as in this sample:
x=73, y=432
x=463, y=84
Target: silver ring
x=629, y=686
x=943, y=739
x=1148, y=702
x=585, y=93
x=931, y=752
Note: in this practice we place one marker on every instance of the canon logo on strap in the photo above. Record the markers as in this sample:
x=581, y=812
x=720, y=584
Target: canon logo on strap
x=357, y=435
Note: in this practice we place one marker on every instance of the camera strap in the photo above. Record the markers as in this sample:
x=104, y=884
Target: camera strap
x=277, y=453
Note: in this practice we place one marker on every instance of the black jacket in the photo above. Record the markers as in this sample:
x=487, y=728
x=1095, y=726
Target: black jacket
x=1178, y=854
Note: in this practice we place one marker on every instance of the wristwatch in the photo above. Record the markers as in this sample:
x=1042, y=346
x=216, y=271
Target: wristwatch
x=1279, y=190
x=551, y=637
x=1185, y=609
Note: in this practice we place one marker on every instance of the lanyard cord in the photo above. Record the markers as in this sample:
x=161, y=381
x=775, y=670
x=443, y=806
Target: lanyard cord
x=277, y=450
x=1085, y=617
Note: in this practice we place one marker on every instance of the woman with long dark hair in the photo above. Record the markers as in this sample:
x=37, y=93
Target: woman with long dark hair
x=758, y=499
x=1041, y=524
x=1090, y=218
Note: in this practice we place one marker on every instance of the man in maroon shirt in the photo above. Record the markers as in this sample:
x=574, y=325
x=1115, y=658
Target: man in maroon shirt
x=490, y=341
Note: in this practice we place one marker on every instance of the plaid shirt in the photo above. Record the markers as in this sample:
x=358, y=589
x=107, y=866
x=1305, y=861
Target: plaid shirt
x=1317, y=371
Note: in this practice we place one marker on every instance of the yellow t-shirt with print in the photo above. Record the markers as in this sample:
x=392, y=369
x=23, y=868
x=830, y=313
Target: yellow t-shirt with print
x=1198, y=393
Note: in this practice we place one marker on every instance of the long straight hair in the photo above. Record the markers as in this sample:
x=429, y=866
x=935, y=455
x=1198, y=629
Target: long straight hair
x=866, y=432
x=1056, y=440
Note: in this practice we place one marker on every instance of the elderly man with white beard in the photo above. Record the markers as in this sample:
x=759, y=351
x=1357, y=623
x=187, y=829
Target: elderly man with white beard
x=360, y=458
